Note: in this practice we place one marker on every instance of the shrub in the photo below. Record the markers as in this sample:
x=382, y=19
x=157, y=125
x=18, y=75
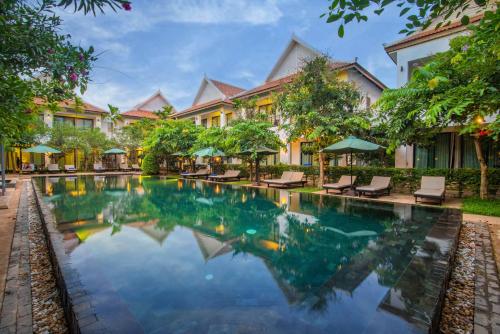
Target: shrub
x=150, y=164
x=459, y=182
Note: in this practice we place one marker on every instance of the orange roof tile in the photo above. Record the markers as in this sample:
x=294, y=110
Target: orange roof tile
x=202, y=106
x=227, y=89
x=139, y=113
x=430, y=34
x=70, y=104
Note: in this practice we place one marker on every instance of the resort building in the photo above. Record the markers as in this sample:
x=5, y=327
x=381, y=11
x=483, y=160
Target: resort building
x=85, y=115
x=449, y=150
x=214, y=103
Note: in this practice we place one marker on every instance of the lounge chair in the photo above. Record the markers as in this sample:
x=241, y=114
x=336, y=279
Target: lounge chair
x=28, y=168
x=53, y=168
x=136, y=167
x=98, y=168
x=431, y=187
x=200, y=173
x=70, y=168
x=380, y=185
x=9, y=183
x=343, y=183
x=288, y=179
x=227, y=176
x=125, y=167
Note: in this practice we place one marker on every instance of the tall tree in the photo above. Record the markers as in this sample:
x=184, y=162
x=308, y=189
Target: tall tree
x=458, y=87
x=319, y=107
x=251, y=136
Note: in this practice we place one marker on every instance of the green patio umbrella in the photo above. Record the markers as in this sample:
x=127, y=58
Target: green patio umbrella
x=41, y=149
x=209, y=152
x=261, y=151
x=352, y=145
x=115, y=151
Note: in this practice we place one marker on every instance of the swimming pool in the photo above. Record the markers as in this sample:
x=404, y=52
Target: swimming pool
x=177, y=256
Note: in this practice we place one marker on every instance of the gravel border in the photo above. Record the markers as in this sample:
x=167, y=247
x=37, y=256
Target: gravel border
x=48, y=314
x=458, y=311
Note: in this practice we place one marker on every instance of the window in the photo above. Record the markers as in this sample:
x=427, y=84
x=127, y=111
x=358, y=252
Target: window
x=78, y=122
x=437, y=155
x=306, y=155
x=204, y=122
x=414, y=64
x=491, y=151
x=216, y=121
x=272, y=115
x=84, y=123
x=62, y=119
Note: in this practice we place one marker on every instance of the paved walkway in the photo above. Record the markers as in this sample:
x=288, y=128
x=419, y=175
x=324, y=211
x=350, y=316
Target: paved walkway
x=15, y=307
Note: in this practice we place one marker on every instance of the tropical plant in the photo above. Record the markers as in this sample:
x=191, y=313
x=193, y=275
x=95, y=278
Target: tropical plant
x=321, y=108
x=210, y=137
x=114, y=114
x=419, y=14
x=165, y=112
x=251, y=136
x=458, y=87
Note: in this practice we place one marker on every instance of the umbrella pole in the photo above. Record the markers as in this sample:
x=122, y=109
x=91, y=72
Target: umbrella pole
x=351, y=171
x=257, y=172
x=2, y=153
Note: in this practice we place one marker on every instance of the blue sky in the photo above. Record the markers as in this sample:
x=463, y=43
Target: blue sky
x=171, y=44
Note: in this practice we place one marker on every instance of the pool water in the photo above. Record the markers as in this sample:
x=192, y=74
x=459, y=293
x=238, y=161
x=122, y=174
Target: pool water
x=172, y=256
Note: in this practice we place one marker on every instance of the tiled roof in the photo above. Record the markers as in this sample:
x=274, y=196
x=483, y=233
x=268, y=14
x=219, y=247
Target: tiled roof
x=201, y=106
x=270, y=85
x=138, y=113
x=429, y=34
x=70, y=104
x=227, y=89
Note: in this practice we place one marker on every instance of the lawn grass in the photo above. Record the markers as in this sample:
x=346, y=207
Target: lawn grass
x=487, y=207
x=241, y=182
x=305, y=190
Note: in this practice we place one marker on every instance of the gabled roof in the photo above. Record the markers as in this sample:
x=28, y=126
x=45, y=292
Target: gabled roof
x=294, y=41
x=429, y=34
x=278, y=83
x=223, y=89
x=138, y=113
x=69, y=104
x=226, y=89
x=206, y=105
x=157, y=94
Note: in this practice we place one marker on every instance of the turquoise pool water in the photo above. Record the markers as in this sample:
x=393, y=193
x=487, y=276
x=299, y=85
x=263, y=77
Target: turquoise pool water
x=172, y=256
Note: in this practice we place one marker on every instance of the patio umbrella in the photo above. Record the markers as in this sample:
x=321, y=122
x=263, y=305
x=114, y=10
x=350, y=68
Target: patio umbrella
x=115, y=151
x=352, y=145
x=41, y=149
x=209, y=152
x=261, y=151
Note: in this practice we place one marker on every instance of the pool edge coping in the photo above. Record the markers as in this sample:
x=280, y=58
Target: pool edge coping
x=76, y=303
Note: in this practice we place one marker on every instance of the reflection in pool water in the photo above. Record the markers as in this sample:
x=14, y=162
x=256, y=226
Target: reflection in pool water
x=173, y=256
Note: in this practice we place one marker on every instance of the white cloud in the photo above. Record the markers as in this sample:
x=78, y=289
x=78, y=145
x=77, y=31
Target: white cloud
x=256, y=12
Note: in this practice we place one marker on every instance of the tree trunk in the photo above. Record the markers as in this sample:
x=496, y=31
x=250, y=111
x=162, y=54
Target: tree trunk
x=257, y=172
x=251, y=170
x=321, y=169
x=483, y=188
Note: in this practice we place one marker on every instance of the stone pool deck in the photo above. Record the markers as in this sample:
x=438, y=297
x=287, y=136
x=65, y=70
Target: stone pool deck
x=15, y=292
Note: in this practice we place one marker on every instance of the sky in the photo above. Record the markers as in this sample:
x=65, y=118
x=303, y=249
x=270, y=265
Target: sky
x=171, y=44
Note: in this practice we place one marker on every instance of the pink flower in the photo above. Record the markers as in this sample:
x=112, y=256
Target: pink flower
x=81, y=57
x=50, y=51
x=126, y=6
x=73, y=77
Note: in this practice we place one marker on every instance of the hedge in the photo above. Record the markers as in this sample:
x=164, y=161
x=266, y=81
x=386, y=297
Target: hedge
x=459, y=182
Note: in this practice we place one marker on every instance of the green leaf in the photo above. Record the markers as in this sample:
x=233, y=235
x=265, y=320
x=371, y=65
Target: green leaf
x=465, y=20
x=341, y=31
x=404, y=11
